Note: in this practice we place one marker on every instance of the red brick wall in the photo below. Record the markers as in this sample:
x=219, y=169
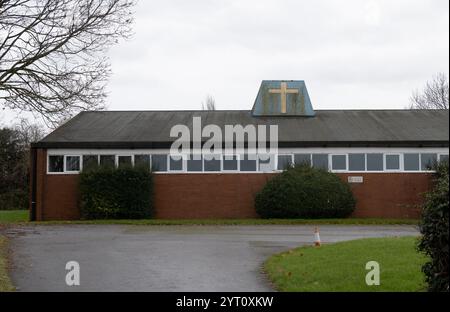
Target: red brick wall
x=196, y=196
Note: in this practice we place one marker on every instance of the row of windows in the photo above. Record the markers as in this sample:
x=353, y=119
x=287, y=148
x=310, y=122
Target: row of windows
x=250, y=163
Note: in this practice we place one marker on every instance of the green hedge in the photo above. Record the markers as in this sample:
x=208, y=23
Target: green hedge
x=434, y=227
x=116, y=193
x=305, y=192
x=14, y=200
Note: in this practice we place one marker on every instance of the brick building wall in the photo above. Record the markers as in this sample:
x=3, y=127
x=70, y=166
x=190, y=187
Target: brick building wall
x=197, y=196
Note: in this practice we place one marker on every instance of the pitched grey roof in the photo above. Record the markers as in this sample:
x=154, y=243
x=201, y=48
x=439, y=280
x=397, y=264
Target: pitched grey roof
x=134, y=129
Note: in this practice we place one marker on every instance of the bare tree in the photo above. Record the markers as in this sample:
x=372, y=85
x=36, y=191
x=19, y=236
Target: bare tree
x=209, y=103
x=52, y=53
x=434, y=95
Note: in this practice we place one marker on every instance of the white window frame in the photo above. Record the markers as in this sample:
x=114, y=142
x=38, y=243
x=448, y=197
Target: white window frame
x=108, y=154
x=80, y=160
x=238, y=160
x=365, y=163
x=420, y=161
x=203, y=164
x=330, y=163
x=328, y=159
x=400, y=162
x=282, y=154
x=275, y=156
x=183, y=164
x=310, y=158
x=400, y=152
x=441, y=154
x=167, y=163
x=382, y=159
x=243, y=158
x=48, y=164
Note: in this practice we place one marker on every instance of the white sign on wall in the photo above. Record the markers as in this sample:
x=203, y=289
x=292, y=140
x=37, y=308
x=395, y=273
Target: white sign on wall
x=354, y=179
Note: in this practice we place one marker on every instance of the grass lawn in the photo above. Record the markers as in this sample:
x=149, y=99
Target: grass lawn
x=13, y=216
x=5, y=282
x=341, y=266
x=21, y=216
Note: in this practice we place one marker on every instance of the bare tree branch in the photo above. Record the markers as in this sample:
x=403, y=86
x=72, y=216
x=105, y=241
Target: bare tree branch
x=52, y=53
x=434, y=95
x=209, y=103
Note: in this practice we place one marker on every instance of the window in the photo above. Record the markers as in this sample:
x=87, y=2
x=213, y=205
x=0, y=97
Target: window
x=392, y=162
x=142, y=161
x=248, y=163
x=443, y=157
x=90, y=162
x=73, y=163
x=159, y=163
x=194, y=163
x=124, y=161
x=266, y=162
x=320, y=161
x=339, y=162
x=175, y=163
x=230, y=163
x=374, y=162
x=356, y=162
x=427, y=161
x=284, y=161
x=302, y=159
x=411, y=162
x=56, y=163
x=108, y=161
x=211, y=162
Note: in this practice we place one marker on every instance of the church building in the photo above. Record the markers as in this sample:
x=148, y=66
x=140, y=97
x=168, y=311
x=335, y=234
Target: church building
x=385, y=155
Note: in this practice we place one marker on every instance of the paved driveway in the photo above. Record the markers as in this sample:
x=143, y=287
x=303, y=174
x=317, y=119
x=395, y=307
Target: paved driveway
x=162, y=258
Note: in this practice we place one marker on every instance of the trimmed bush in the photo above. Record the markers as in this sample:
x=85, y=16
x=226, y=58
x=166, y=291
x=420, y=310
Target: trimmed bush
x=116, y=193
x=434, y=227
x=305, y=192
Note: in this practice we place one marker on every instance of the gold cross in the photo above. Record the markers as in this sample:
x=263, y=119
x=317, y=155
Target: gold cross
x=283, y=91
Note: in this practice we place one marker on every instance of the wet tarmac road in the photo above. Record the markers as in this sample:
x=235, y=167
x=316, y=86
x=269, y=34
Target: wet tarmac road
x=163, y=258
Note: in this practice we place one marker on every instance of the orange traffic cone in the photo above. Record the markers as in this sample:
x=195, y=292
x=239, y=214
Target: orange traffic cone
x=316, y=237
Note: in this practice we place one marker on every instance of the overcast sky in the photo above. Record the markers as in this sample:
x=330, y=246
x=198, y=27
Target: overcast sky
x=352, y=54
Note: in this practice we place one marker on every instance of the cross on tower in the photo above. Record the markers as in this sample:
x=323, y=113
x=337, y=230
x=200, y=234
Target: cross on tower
x=283, y=91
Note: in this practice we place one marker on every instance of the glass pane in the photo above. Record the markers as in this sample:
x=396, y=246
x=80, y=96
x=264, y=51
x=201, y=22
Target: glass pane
x=194, y=163
x=356, y=162
x=339, y=162
x=175, y=163
x=411, y=162
x=428, y=161
x=284, y=161
x=55, y=163
x=124, y=161
x=108, y=161
x=302, y=159
x=73, y=163
x=159, y=163
x=90, y=162
x=142, y=161
x=375, y=162
x=443, y=158
x=211, y=163
x=266, y=162
x=320, y=161
x=248, y=162
x=230, y=162
x=392, y=162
